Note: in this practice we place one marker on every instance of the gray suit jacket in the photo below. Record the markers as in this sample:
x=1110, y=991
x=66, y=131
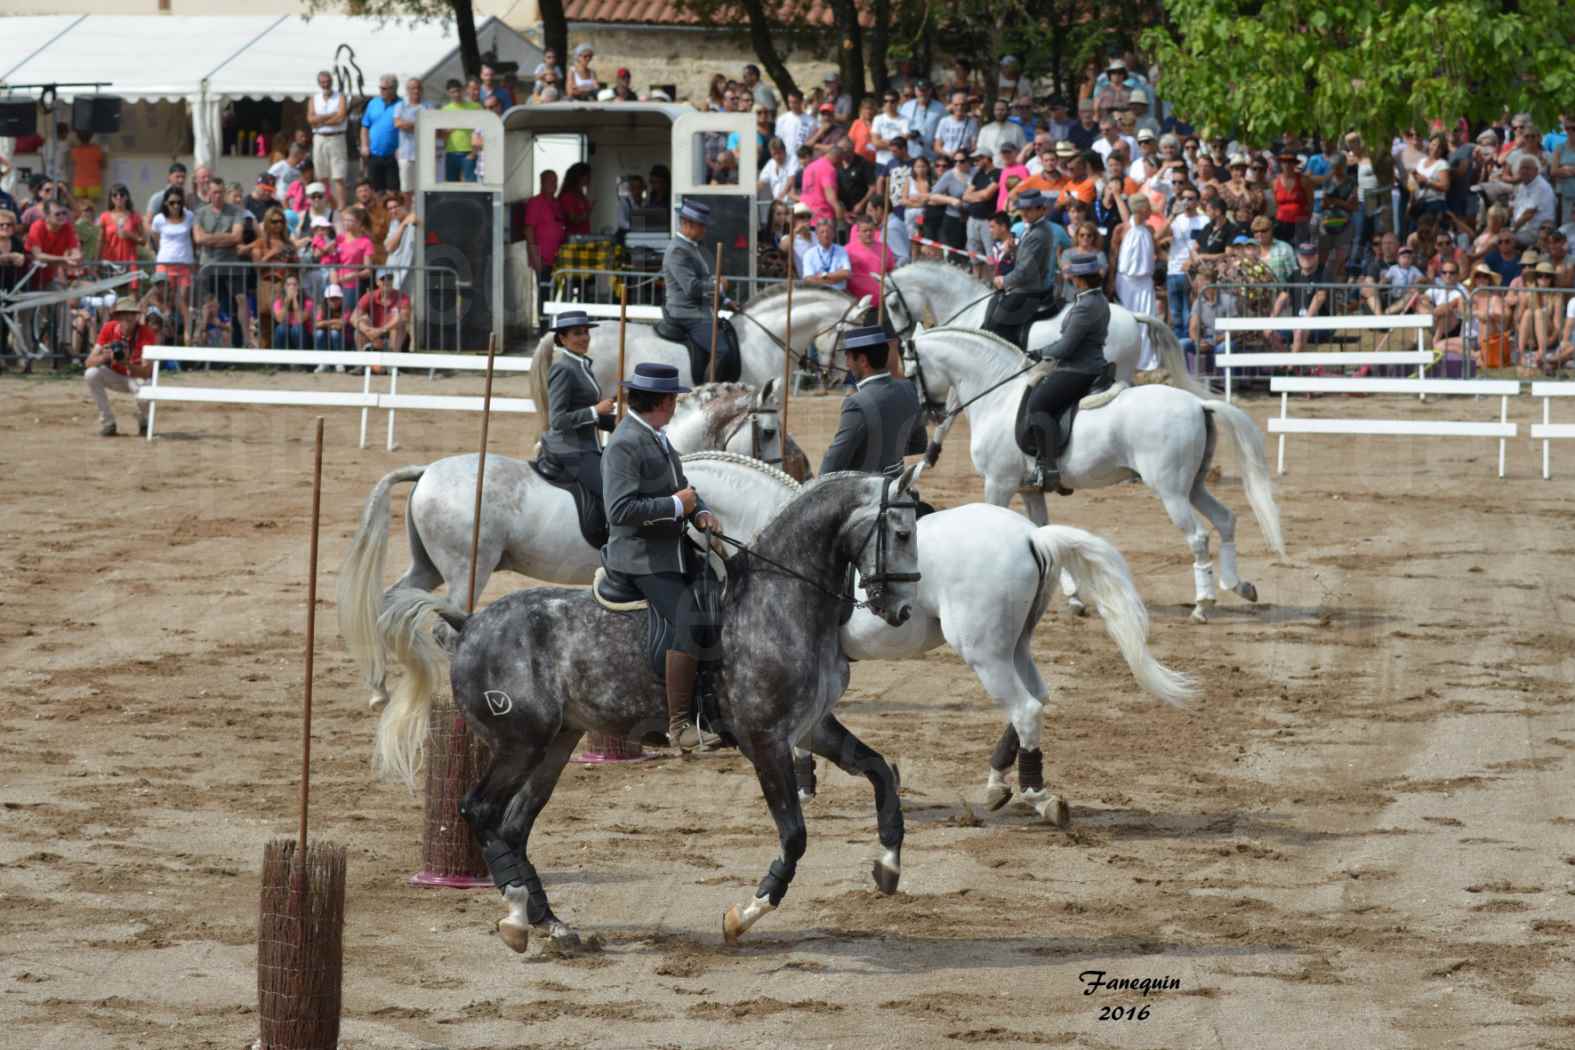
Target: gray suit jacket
x=572, y=393
x=689, y=284
x=1031, y=271
x=1081, y=347
x=881, y=422
x=639, y=478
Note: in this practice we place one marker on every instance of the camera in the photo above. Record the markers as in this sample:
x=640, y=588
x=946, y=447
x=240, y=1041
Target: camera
x=117, y=351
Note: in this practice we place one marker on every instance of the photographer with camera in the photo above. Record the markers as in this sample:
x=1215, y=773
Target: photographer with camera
x=116, y=364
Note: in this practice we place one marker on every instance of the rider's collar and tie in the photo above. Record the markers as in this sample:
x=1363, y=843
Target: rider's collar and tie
x=873, y=375
x=680, y=235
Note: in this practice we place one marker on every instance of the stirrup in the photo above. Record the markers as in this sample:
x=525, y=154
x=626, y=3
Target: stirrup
x=1044, y=477
x=686, y=736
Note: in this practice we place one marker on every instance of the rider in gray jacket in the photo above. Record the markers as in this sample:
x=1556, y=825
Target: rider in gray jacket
x=1021, y=291
x=881, y=420
x=1080, y=360
x=690, y=294
x=648, y=502
x=576, y=409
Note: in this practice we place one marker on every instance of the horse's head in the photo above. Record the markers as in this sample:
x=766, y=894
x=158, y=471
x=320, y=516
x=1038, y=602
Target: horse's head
x=902, y=314
x=932, y=392
x=887, y=554
x=752, y=427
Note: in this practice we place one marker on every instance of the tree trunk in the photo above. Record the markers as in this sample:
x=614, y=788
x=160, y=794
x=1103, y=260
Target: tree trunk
x=766, y=49
x=880, y=40
x=850, y=47
x=469, y=46
x=554, y=28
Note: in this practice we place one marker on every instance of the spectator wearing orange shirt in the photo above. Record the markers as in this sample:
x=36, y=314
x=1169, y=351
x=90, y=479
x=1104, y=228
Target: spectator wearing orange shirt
x=87, y=168
x=860, y=132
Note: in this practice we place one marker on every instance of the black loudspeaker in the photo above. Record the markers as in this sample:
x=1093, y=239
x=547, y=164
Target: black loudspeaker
x=18, y=117
x=99, y=114
x=461, y=230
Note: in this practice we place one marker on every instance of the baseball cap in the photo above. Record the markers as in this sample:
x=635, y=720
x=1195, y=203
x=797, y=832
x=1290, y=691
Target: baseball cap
x=1242, y=238
x=1145, y=135
x=1405, y=249
x=1139, y=97
x=333, y=291
x=827, y=107
x=266, y=179
x=1116, y=63
x=980, y=151
x=801, y=209
x=316, y=187
x=1307, y=248
x=1065, y=149
x=623, y=73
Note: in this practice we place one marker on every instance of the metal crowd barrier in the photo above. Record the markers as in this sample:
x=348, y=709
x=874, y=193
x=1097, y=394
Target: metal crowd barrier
x=602, y=287
x=60, y=324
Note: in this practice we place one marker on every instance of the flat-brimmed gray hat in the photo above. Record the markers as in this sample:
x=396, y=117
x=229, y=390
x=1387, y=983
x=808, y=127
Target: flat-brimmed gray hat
x=694, y=211
x=655, y=378
x=865, y=338
x=1032, y=199
x=571, y=319
x=1081, y=264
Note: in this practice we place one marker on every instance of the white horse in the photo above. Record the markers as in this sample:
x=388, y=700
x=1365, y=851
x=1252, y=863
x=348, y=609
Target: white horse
x=528, y=525
x=982, y=590
x=760, y=326
x=1164, y=436
x=955, y=299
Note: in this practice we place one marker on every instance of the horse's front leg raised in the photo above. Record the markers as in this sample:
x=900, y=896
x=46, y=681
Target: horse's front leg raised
x=831, y=739
x=773, y=760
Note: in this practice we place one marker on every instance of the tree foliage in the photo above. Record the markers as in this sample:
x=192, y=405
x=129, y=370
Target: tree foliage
x=1052, y=38
x=1265, y=67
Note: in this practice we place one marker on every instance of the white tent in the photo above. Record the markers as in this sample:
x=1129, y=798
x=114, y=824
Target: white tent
x=206, y=59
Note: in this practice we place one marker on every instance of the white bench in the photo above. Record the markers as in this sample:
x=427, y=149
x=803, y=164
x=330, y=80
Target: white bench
x=1321, y=359
x=609, y=311
x=1547, y=430
x=365, y=399
x=1503, y=389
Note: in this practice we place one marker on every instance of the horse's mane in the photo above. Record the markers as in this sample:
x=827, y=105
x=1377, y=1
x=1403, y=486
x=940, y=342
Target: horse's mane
x=940, y=270
x=780, y=292
x=744, y=461
x=1012, y=358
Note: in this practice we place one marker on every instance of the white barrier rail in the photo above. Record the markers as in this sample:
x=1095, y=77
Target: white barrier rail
x=1420, y=357
x=645, y=314
x=366, y=399
x=1503, y=389
x=1547, y=431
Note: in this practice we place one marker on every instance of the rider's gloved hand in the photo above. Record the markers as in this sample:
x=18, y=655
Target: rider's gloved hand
x=1034, y=355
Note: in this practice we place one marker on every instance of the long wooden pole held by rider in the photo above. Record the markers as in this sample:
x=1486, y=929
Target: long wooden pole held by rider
x=716, y=313
x=623, y=328
x=787, y=359
x=481, y=474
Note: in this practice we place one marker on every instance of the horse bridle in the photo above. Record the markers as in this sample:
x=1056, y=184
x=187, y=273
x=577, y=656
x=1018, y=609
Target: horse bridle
x=782, y=344
x=936, y=410
x=874, y=584
x=756, y=440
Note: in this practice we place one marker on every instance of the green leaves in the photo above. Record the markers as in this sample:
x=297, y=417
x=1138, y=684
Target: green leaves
x=1265, y=68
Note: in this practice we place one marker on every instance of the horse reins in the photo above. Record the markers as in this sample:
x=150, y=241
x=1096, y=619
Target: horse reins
x=937, y=409
x=752, y=417
x=794, y=354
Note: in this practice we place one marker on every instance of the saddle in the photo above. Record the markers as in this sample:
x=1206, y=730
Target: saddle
x=729, y=366
x=588, y=506
x=1104, y=391
x=616, y=593
x=1046, y=308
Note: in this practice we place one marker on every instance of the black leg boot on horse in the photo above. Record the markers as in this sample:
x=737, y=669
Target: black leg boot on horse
x=1056, y=393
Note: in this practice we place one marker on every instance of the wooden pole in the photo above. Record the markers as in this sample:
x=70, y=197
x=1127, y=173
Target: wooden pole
x=311, y=636
x=716, y=313
x=481, y=474
x=880, y=304
x=787, y=360
x=623, y=328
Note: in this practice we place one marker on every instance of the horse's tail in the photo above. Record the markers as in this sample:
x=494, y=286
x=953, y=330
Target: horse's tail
x=1254, y=460
x=361, y=580
x=402, y=733
x=1102, y=578
x=540, y=365
x=1172, y=358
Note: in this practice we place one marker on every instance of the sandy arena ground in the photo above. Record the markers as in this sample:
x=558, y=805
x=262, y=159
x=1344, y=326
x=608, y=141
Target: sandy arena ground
x=1363, y=835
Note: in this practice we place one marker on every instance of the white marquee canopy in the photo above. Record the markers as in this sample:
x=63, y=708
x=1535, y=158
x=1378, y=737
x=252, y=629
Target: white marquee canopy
x=206, y=59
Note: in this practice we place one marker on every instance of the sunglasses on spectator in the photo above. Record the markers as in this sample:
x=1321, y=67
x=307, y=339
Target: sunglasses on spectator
x=1450, y=272
x=1189, y=199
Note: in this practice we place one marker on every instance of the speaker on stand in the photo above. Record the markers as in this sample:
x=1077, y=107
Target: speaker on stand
x=462, y=231
x=18, y=117
x=99, y=114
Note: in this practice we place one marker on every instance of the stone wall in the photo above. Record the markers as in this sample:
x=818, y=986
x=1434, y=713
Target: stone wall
x=687, y=58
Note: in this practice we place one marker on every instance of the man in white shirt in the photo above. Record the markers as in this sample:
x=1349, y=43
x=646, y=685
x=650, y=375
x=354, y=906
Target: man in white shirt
x=327, y=113
x=956, y=132
x=887, y=126
x=286, y=171
x=1110, y=137
x=1533, y=205
x=999, y=132
x=776, y=175
x=795, y=126
x=826, y=263
x=405, y=120
x=1178, y=290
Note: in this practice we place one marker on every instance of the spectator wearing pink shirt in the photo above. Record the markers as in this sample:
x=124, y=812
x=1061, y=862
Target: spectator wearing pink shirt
x=292, y=317
x=546, y=227
x=818, y=189
x=869, y=257
x=1011, y=168
x=355, y=257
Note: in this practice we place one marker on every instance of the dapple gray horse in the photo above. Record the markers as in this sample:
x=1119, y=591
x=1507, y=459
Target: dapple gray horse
x=528, y=525
x=536, y=670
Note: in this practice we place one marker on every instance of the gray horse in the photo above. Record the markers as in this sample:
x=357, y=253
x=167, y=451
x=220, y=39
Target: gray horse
x=536, y=670
x=528, y=525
